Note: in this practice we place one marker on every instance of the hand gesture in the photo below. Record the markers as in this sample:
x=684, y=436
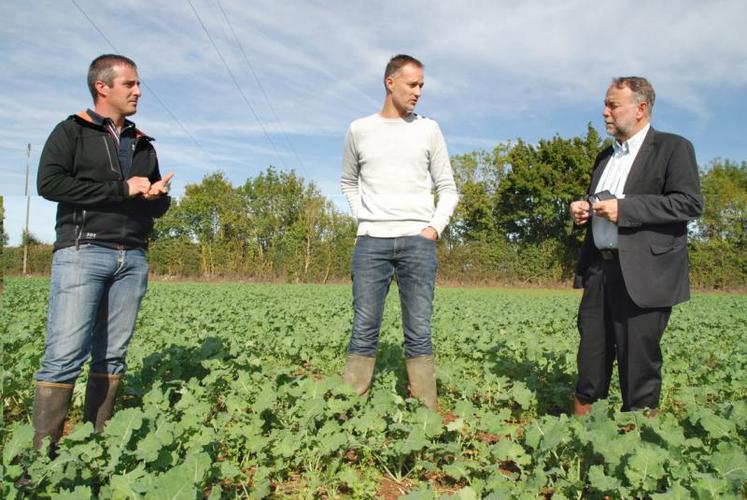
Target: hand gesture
x=606, y=209
x=580, y=212
x=137, y=186
x=159, y=188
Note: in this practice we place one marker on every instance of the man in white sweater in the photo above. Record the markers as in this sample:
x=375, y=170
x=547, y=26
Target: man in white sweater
x=392, y=161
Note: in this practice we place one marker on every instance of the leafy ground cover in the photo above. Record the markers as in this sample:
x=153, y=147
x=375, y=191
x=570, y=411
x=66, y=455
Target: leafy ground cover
x=234, y=390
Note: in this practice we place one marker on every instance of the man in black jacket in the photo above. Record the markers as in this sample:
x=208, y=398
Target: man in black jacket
x=633, y=265
x=103, y=172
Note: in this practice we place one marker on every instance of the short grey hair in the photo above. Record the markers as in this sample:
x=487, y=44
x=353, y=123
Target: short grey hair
x=642, y=89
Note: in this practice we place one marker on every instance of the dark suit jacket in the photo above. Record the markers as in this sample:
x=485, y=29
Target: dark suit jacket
x=662, y=193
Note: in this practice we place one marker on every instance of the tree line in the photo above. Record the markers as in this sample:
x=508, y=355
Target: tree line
x=511, y=226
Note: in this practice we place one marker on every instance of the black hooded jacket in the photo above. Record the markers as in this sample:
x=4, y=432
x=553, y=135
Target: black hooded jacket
x=80, y=170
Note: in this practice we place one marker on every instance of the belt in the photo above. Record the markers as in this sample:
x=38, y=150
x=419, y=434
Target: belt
x=610, y=254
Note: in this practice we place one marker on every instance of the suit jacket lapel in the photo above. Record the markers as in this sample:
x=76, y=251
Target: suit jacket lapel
x=597, y=173
x=640, y=161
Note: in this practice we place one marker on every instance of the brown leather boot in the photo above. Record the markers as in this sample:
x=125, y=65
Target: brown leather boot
x=358, y=372
x=580, y=407
x=421, y=372
x=51, y=403
x=101, y=392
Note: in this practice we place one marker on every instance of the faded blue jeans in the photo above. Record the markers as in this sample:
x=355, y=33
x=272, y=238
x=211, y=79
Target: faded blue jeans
x=412, y=259
x=94, y=298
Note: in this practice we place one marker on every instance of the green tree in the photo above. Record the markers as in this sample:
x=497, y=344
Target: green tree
x=273, y=226
x=209, y=215
x=28, y=238
x=541, y=182
x=478, y=176
x=724, y=186
x=718, y=254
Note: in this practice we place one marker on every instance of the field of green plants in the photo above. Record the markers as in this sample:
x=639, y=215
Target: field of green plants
x=234, y=390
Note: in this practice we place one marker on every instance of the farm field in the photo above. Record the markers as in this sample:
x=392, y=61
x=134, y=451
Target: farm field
x=233, y=390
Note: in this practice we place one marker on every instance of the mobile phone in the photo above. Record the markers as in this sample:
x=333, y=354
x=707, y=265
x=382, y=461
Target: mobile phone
x=600, y=196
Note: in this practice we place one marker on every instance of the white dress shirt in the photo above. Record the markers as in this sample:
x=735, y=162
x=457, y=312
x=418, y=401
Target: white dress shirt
x=613, y=179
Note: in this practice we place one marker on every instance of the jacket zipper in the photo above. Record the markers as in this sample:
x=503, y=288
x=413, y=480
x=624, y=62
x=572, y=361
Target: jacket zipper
x=76, y=233
x=108, y=155
x=121, y=176
x=79, y=228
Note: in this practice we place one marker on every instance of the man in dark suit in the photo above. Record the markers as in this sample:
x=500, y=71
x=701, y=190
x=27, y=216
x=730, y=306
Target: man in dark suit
x=633, y=265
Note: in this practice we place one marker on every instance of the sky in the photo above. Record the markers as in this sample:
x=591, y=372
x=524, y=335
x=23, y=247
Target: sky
x=238, y=86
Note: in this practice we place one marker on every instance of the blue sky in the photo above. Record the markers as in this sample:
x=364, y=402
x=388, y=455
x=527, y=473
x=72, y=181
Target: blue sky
x=494, y=70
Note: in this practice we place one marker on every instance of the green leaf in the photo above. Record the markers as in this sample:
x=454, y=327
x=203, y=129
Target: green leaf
x=429, y=421
x=730, y=462
x=415, y=441
x=646, y=466
x=675, y=492
x=465, y=493
x=348, y=476
x=20, y=439
x=81, y=432
x=505, y=450
x=120, y=428
x=600, y=481
x=183, y=481
x=265, y=400
x=523, y=396
x=715, y=426
x=707, y=486
x=129, y=485
x=458, y=470
x=79, y=493
x=228, y=470
x=456, y=425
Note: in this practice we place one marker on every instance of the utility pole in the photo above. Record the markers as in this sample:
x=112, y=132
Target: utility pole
x=25, y=235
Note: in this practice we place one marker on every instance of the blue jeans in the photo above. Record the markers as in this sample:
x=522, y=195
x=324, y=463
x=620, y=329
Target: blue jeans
x=412, y=259
x=93, y=302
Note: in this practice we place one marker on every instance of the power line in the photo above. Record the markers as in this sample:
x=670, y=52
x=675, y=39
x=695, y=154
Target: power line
x=236, y=84
x=150, y=90
x=259, y=84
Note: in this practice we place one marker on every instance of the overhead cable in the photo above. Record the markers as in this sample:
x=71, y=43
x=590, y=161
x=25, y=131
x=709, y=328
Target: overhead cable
x=150, y=90
x=236, y=84
x=259, y=84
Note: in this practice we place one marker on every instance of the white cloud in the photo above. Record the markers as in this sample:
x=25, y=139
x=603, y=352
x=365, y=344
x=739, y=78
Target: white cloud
x=494, y=69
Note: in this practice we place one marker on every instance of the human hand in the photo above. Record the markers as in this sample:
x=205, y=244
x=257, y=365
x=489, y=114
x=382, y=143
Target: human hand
x=429, y=233
x=606, y=209
x=580, y=212
x=159, y=188
x=137, y=186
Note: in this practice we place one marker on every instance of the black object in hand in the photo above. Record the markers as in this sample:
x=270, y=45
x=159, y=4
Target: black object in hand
x=600, y=196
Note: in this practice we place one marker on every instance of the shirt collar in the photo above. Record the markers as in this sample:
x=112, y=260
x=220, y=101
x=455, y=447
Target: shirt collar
x=103, y=121
x=633, y=144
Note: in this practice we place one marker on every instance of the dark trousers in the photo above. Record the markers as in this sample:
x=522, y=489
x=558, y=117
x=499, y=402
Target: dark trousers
x=613, y=327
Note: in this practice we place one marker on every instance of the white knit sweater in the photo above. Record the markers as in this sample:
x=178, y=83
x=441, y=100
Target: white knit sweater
x=390, y=167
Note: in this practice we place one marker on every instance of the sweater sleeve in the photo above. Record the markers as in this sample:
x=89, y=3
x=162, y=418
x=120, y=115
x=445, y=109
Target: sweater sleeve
x=55, y=180
x=349, y=180
x=443, y=181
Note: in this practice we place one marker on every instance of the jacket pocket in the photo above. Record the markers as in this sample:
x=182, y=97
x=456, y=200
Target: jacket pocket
x=662, y=249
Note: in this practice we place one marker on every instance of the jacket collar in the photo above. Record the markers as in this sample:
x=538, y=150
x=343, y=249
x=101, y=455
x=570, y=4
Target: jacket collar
x=96, y=120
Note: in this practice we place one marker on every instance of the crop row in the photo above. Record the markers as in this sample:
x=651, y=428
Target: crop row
x=234, y=389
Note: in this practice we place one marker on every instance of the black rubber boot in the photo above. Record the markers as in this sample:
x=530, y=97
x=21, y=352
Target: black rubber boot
x=101, y=392
x=51, y=403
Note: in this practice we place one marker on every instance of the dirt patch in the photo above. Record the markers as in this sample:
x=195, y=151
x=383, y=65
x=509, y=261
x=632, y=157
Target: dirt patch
x=487, y=437
x=389, y=489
